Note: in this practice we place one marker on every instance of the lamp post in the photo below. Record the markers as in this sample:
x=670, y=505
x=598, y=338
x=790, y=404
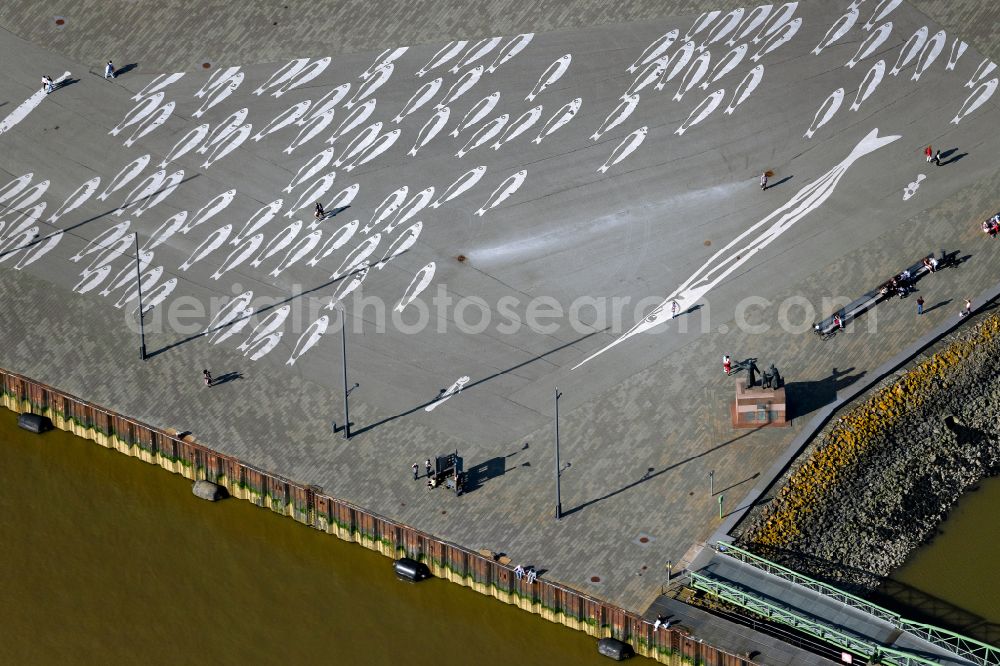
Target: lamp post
x=711, y=483
x=721, y=498
x=558, y=470
x=138, y=280
x=670, y=566
x=343, y=350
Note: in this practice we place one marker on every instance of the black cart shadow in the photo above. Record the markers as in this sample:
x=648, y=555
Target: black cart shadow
x=479, y=474
x=806, y=397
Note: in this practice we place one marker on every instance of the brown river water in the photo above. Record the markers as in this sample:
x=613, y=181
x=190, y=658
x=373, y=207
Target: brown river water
x=108, y=560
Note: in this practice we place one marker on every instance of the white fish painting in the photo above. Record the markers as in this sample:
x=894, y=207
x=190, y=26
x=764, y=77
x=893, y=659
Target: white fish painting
x=353, y=120
x=617, y=116
x=310, y=130
x=722, y=29
x=187, y=143
x=510, y=49
x=825, y=112
x=550, y=76
x=404, y=242
x=726, y=64
x=780, y=17
x=368, y=88
x=755, y=239
x=702, y=111
x=108, y=237
x=149, y=125
x=145, y=188
x=168, y=228
x=477, y=112
x=303, y=76
x=840, y=28
x=508, y=187
x=565, y=114
x=127, y=274
x=303, y=247
x=91, y=278
x=283, y=74
x=979, y=96
x=216, y=205
x=693, y=75
x=444, y=54
x=461, y=86
x=780, y=37
x=656, y=49
x=430, y=129
x=362, y=140
x=166, y=188
x=347, y=287
x=17, y=242
x=957, y=49
x=233, y=141
x=257, y=221
x=314, y=192
x=157, y=295
x=325, y=103
x=147, y=280
x=678, y=61
x=39, y=250
x=869, y=84
x=222, y=93
x=22, y=110
x=910, y=50
x=224, y=129
x=985, y=68
x=753, y=20
x=341, y=200
x=930, y=53
x=125, y=176
x=883, y=9
x=523, y=123
x=448, y=394
x=336, y=241
x=283, y=119
x=373, y=150
x=28, y=196
x=461, y=185
x=871, y=44
x=76, y=199
x=159, y=82
x=357, y=256
x=309, y=338
x=313, y=166
x=387, y=57
x=651, y=73
x=244, y=250
x=214, y=241
x=216, y=80
x=483, y=135
x=628, y=146
x=139, y=112
x=281, y=240
x=16, y=186
x=406, y=212
x=389, y=206
x=478, y=50
x=701, y=23
x=419, y=98
x=419, y=282
x=237, y=308
x=265, y=336
x=911, y=189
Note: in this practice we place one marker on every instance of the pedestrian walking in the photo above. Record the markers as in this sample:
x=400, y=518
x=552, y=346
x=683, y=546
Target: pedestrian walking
x=109, y=70
x=416, y=471
x=427, y=466
x=967, y=310
x=763, y=181
x=937, y=158
x=47, y=84
x=675, y=308
x=319, y=213
x=207, y=376
x=928, y=152
x=920, y=305
x=727, y=364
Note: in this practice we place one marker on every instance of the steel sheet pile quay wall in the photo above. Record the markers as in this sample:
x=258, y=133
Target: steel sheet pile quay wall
x=311, y=506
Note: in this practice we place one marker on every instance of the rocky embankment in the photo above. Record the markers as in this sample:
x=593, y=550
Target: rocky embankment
x=883, y=475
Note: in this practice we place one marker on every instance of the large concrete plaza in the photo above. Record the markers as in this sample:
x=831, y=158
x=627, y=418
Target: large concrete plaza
x=574, y=253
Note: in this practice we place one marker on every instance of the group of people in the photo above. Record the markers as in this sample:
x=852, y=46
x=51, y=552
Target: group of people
x=932, y=156
x=528, y=573
x=48, y=85
x=992, y=226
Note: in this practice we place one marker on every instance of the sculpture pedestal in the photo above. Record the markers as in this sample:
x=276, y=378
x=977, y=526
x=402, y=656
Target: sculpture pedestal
x=758, y=407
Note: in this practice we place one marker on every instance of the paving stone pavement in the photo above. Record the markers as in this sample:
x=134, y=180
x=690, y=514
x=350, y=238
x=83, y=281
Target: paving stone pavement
x=640, y=445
